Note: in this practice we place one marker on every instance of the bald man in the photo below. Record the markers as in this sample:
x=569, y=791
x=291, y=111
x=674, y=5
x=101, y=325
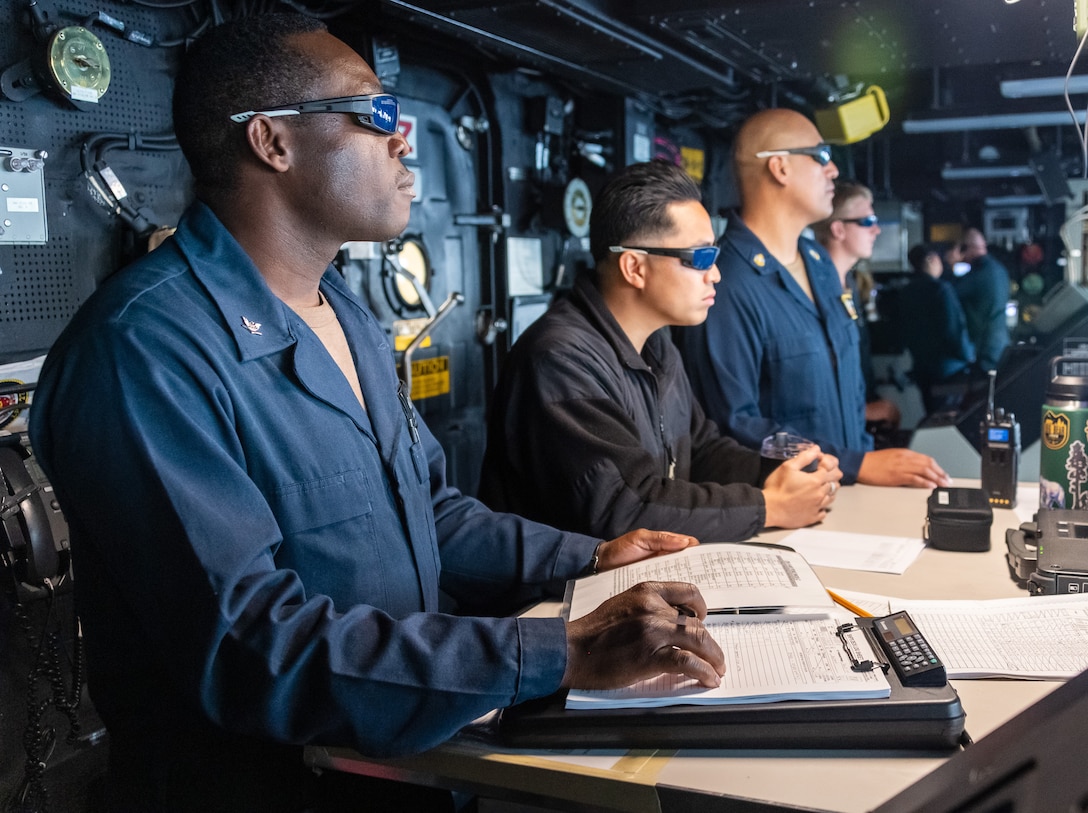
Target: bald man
x=779, y=349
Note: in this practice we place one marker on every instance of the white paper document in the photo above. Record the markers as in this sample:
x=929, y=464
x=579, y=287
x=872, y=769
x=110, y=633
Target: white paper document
x=1027, y=501
x=767, y=658
x=729, y=575
x=1033, y=637
x=881, y=554
x=1039, y=637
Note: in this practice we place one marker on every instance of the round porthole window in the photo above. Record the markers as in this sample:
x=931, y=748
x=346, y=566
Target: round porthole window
x=411, y=256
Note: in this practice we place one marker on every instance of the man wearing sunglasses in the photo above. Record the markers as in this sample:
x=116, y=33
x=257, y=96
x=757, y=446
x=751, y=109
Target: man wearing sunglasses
x=779, y=348
x=260, y=521
x=593, y=423
x=849, y=235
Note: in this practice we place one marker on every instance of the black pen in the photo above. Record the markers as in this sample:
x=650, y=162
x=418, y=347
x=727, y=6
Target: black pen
x=409, y=412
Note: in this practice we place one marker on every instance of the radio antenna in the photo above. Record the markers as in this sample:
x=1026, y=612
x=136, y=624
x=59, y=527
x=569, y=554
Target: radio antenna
x=990, y=400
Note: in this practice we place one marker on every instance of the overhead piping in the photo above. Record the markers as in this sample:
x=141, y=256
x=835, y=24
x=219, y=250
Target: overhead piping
x=958, y=124
x=1042, y=86
x=975, y=173
x=615, y=30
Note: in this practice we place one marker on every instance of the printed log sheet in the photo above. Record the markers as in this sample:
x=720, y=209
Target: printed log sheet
x=729, y=575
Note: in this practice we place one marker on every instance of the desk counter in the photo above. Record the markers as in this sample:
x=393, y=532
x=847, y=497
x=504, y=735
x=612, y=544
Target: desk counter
x=749, y=781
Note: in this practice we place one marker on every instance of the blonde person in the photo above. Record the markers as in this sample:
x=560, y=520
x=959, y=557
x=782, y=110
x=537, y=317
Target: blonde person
x=849, y=236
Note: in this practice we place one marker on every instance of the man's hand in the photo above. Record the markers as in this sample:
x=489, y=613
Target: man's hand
x=650, y=629
x=798, y=498
x=901, y=467
x=640, y=544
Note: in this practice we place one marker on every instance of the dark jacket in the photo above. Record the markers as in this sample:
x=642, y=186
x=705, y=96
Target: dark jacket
x=984, y=293
x=934, y=329
x=588, y=435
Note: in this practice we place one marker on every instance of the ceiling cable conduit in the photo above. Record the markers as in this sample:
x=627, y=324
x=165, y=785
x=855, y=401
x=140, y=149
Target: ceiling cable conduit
x=612, y=27
x=440, y=19
x=776, y=71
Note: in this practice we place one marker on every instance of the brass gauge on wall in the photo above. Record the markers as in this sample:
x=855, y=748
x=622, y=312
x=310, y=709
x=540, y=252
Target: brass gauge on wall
x=72, y=64
x=77, y=64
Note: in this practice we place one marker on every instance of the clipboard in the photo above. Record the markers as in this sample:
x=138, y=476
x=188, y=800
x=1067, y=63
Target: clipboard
x=911, y=718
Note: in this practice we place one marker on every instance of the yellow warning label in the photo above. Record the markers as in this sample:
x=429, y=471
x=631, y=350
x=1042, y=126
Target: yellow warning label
x=430, y=377
x=694, y=162
x=405, y=332
x=400, y=343
x=8, y=403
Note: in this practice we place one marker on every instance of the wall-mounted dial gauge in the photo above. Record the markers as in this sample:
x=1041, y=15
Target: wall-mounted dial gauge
x=78, y=65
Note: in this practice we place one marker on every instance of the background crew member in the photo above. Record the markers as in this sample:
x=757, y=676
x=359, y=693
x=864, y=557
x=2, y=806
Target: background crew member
x=779, y=349
x=593, y=424
x=983, y=293
x=260, y=521
x=934, y=330
x=849, y=235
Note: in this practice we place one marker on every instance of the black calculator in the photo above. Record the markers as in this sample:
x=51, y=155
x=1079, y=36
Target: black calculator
x=911, y=656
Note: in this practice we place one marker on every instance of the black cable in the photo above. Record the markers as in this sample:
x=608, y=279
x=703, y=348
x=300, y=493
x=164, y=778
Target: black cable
x=96, y=145
x=217, y=16
x=45, y=650
x=167, y=5
x=326, y=12
x=94, y=167
x=139, y=38
x=192, y=35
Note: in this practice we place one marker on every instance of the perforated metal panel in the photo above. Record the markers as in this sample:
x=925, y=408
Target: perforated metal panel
x=38, y=288
x=42, y=286
x=40, y=292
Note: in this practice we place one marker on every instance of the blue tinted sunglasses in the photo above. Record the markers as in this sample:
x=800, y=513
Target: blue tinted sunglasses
x=700, y=258
x=820, y=153
x=866, y=222
x=378, y=112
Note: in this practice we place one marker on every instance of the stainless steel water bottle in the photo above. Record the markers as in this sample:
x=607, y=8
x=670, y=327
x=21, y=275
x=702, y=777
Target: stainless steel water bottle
x=1063, y=456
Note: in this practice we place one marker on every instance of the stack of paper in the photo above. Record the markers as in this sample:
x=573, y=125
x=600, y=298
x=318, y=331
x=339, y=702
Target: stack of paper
x=731, y=576
x=768, y=658
x=1039, y=637
x=1033, y=637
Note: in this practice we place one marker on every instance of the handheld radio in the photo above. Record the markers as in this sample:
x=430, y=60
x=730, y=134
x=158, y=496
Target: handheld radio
x=1000, y=453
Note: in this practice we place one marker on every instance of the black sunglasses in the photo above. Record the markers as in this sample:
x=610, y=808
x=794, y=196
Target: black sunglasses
x=378, y=111
x=866, y=222
x=820, y=153
x=700, y=258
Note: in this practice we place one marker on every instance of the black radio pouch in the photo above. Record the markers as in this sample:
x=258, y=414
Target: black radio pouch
x=959, y=519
